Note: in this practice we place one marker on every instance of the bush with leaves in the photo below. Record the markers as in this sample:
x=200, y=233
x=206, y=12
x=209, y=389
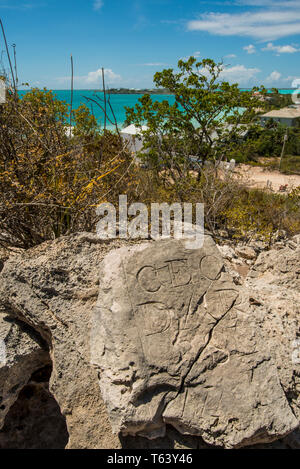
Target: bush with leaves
x=50, y=183
x=256, y=213
x=197, y=124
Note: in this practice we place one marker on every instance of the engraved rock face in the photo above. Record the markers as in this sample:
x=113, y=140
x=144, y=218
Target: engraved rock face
x=174, y=342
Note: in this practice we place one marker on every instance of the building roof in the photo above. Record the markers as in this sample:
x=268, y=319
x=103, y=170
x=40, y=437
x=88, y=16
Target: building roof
x=243, y=128
x=286, y=112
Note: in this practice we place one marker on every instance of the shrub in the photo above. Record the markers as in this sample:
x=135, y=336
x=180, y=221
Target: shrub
x=257, y=213
x=49, y=183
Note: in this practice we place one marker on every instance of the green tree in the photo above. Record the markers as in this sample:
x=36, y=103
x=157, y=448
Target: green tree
x=204, y=121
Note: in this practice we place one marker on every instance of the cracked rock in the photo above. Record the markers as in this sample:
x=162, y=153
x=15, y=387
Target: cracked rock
x=175, y=342
x=246, y=252
x=275, y=281
x=53, y=288
x=22, y=352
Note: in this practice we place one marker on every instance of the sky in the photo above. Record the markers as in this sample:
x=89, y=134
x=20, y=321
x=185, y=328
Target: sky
x=258, y=41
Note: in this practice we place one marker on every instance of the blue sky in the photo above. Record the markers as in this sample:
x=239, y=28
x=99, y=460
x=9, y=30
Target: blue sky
x=259, y=41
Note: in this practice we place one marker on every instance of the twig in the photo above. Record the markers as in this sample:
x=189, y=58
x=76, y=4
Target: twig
x=104, y=92
x=98, y=104
x=114, y=116
x=8, y=55
x=34, y=204
x=72, y=90
x=15, y=59
x=123, y=175
x=34, y=130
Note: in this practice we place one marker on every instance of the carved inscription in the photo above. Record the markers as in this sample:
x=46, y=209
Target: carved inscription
x=179, y=346
x=173, y=295
x=178, y=273
x=154, y=317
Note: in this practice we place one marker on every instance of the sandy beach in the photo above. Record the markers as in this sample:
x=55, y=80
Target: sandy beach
x=259, y=177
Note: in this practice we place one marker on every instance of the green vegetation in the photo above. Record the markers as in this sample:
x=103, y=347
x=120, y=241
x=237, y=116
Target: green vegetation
x=205, y=121
x=267, y=142
x=255, y=212
x=290, y=164
x=275, y=100
x=50, y=183
x=138, y=91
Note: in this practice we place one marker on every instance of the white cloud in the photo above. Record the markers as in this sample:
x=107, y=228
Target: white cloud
x=195, y=54
x=154, y=64
x=235, y=74
x=250, y=49
x=95, y=77
x=274, y=76
x=269, y=3
x=288, y=49
x=239, y=74
x=296, y=83
x=262, y=24
x=230, y=56
x=291, y=81
x=98, y=4
x=8, y=5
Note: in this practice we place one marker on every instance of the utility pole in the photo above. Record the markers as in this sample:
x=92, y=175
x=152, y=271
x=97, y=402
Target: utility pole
x=285, y=139
x=15, y=60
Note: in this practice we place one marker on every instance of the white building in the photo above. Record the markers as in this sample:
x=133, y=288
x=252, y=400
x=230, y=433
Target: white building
x=286, y=116
x=133, y=137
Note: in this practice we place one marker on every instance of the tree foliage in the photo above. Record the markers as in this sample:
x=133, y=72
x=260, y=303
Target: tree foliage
x=50, y=183
x=204, y=121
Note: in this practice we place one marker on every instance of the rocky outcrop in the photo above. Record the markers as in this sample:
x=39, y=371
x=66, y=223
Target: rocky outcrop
x=185, y=368
x=175, y=341
x=22, y=352
x=35, y=420
x=53, y=288
x=275, y=284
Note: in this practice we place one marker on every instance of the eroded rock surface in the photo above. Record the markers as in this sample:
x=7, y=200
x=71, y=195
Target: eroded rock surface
x=275, y=284
x=196, y=361
x=34, y=421
x=53, y=288
x=175, y=342
x=22, y=352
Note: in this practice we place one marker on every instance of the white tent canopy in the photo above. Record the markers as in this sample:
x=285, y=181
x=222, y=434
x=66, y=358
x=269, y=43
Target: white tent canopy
x=133, y=130
x=133, y=137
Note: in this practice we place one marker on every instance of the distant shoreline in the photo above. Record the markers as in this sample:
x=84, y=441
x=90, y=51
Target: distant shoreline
x=111, y=92
x=141, y=91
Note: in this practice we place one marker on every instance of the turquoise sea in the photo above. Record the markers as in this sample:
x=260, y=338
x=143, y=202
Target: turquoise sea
x=118, y=102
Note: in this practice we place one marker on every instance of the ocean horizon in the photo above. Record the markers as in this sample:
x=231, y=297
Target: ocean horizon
x=118, y=102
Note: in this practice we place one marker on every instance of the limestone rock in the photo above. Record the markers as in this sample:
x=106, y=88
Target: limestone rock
x=175, y=342
x=275, y=282
x=53, y=288
x=246, y=252
x=35, y=421
x=296, y=239
x=227, y=252
x=22, y=352
x=222, y=345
